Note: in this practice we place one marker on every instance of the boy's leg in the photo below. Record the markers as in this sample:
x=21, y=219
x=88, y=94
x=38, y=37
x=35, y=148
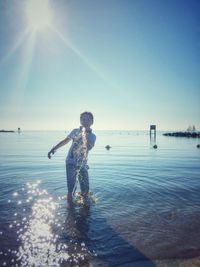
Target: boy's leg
x=71, y=173
x=84, y=181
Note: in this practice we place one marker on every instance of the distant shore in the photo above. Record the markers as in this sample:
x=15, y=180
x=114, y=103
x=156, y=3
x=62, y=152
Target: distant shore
x=6, y=131
x=184, y=134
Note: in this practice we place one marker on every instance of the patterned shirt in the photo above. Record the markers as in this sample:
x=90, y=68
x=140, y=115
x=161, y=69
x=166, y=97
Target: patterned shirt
x=78, y=151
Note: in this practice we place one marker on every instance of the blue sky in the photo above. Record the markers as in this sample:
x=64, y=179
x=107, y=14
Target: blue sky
x=132, y=63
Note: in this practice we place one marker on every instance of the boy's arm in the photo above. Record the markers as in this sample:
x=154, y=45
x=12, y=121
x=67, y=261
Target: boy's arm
x=62, y=143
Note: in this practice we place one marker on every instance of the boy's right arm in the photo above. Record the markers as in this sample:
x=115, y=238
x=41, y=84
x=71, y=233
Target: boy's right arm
x=62, y=143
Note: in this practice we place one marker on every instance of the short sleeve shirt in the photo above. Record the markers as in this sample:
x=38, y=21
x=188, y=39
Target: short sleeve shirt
x=78, y=152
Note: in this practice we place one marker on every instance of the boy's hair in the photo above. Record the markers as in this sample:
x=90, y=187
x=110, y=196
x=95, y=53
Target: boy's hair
x=89, y=114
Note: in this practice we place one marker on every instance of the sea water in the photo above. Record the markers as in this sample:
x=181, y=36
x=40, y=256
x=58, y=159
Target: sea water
x=146, y=208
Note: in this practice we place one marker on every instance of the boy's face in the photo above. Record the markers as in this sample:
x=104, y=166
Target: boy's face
x=86, y=121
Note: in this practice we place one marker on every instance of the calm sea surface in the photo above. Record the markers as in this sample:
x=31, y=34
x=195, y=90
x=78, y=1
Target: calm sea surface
x=146, y=208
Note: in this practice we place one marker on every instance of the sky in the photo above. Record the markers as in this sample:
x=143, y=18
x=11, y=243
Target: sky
x=131, y=63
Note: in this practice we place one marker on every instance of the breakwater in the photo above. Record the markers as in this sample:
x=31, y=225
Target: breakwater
x=183, y=134
x=6, y=131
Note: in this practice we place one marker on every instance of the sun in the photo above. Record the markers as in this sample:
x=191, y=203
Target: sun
x=38, y=14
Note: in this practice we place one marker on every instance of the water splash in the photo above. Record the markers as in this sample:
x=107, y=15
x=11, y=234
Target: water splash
x=82, y=154
x=80, y=200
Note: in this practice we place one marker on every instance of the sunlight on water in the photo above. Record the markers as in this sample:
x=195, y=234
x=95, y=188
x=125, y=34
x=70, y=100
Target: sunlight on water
x=38, y=232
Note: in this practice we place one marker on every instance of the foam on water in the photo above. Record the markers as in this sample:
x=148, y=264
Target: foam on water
x=80, y=200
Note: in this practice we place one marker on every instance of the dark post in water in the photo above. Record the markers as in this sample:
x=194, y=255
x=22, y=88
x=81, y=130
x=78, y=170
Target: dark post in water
x=153, y=128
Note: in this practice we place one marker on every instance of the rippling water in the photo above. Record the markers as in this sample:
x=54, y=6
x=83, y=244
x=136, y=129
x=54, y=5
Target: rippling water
x=147, y=208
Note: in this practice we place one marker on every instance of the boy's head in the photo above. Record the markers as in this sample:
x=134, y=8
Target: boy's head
x=86, y=119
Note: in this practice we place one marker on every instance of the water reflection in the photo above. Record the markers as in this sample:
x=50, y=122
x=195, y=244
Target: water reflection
x=152, y=139
x=77, y=222
x=88, y=228
x=49, y=234
x=38, y=241
x=76, y=234
x=41, y=232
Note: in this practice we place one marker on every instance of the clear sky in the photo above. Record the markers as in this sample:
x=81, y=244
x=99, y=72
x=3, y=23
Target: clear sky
x=131, y=62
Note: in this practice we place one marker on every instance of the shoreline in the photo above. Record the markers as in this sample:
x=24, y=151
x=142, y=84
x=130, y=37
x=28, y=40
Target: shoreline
x=187, y=262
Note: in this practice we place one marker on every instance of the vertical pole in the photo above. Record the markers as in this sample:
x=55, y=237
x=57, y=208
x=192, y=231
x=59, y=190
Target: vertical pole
x=153, y=132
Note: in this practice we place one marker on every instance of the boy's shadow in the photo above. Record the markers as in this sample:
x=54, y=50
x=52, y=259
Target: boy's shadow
x=85, y=225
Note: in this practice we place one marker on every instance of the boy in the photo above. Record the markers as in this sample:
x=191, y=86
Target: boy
x=76, y=162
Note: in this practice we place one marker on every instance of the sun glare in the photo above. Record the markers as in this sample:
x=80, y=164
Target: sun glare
x=38, y=14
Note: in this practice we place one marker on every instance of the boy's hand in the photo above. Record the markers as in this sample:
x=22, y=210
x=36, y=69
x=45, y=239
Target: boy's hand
x=51, y=152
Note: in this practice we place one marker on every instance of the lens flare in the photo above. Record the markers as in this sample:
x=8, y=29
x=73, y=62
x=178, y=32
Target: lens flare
x=38, y=14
